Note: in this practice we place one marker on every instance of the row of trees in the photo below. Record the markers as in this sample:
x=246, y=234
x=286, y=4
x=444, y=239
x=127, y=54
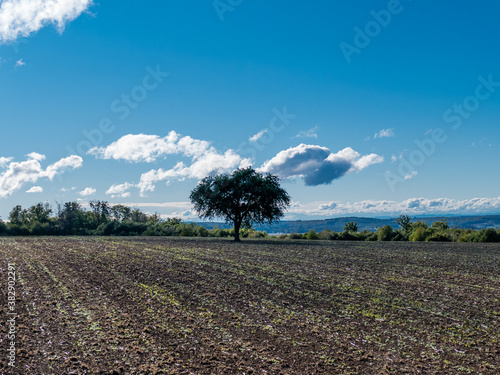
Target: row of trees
x=103, y=219
x=439, y=231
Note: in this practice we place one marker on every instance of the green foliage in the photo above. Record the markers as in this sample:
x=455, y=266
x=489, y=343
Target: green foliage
x=418, y=234
x=439, y=237
x=3, y=228
x=119, y=220
x=348, y=236
x=385, y=233
x=404, y=221
x=244, y=197
x=351, y=227
x=312, y=235
x=441, y=225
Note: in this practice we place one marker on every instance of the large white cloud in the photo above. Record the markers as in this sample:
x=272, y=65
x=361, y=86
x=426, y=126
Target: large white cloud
x=148, y=148
x=204, y=159
x=139, y=148
x=16, y=174
x=412, y=206
x=20, y=18
x=316, y=164
x=211, y=163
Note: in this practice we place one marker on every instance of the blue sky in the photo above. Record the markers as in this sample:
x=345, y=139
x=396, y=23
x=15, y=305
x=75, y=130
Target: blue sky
x=134, y=102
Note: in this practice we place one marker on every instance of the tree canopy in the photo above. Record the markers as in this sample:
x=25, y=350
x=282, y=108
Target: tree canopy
x=244, y=197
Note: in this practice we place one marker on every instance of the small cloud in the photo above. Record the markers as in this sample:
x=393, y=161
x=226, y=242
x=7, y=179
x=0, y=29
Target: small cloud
x=65, y=190
x=35, y=189
x=258, y=136
x=35, y=156
x=327, y=206
x=120, y=191
x=19, y=63
x=395, y=158
x=310, y=133
x=4, y=161
x=385, y=133
x=87, y=191
x=411, y=175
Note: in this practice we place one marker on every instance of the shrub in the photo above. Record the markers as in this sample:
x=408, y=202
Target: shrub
x=351, y=226
x=488, y=235
x=325, y=234
x=312, y=235
x=439, y=237
x=372, y=237
x=347, y=236
x=296, y=236
x=385, y=233
x=418, y=234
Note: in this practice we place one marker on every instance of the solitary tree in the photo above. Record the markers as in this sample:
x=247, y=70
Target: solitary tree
x=404, y=222
x=351, y=226
x=244, y=197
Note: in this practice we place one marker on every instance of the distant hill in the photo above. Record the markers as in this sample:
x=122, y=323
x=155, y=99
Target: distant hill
x=371, y=224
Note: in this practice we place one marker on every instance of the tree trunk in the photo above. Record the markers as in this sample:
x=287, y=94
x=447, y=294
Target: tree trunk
x=237, y=226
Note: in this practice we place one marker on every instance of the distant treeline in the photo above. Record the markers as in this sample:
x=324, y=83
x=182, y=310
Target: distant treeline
x=103, y=219
x=439, y=231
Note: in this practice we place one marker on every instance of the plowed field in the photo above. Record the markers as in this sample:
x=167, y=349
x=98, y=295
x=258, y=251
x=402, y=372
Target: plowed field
x=186, y=306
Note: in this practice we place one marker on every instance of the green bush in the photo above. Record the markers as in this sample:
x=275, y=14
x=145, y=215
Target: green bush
x=296, y=236
x=418, y=234
x=347, y=236
x=312, y=235
x=489, y=235
x=439, y=237
x=385, y=233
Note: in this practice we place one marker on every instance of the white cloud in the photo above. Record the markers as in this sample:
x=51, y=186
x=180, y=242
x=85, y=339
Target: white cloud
x=258, y=136
x=385, y=133
x=4, y=161
x=120, y=190
x=412, y=206
x=310, y=133
x=411, y=175
x=316, y=164
x=16, y=174
x=87, y=191
x=211, y=162
x=204, y=158
x=19, y=63
x=36, y=156
x=23, y=17
x=35, y=189
x=143, y=147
